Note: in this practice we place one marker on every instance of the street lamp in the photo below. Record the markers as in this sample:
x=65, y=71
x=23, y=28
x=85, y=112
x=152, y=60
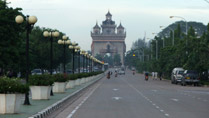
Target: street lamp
x=72, y=47
x=184, y=20
x=77, y=50
x=156, y=47
x=64, y=42
x=51, y=34
x=83, y=54
x=172, y=33
x=186, y=27
x=30, y=21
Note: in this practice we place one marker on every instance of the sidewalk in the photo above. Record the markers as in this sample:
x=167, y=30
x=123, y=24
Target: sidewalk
x=38, y=105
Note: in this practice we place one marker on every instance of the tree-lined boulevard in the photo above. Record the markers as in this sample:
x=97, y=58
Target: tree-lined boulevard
x=130, y=96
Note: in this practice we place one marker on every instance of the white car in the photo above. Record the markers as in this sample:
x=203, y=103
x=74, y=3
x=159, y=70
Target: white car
x=121, y=71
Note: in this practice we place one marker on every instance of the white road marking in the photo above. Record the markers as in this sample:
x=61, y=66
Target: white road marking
x=205, y=100
x=117, y=98
x=77, y=107
x=176, y=100
x=198, y=98
x=146, y=97
x=115, y=89
x=166, y=114
x=154, y=90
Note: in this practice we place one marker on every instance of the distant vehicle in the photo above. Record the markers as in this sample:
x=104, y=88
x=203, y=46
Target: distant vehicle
x=36, y=72
x=190, y=77
x=176, y=75
x=121, y=71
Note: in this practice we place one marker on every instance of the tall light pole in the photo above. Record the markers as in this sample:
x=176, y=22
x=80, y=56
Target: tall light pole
x=77, y=50
x=64, y=42
x=156, y=51
x=172, y=33
x=30, y=21
x=73, y=47
x=51, y=34
x=185, y=22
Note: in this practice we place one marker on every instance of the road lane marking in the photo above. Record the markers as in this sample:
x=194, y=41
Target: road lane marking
x=176, y=100
x=140, y=93
x=117, y=98
x=77, y=107
x=115, y=89
x=166, y=114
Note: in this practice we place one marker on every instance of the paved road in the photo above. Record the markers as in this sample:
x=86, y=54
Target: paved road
x=130, y=96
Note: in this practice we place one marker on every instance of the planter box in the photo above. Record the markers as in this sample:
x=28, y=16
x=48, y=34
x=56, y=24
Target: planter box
x=59, y=87
x=40, y=92
x=70, y=84
x=83, y=80
x=10, y=103
x=77, y=82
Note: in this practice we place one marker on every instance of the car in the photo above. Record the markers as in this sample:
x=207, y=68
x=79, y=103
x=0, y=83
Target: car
x=121, y=71
x=176, y=75
x=36, y=72
x=190, y=77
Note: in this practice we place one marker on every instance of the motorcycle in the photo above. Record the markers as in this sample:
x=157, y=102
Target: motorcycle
x=133, y=72
x=146, y=78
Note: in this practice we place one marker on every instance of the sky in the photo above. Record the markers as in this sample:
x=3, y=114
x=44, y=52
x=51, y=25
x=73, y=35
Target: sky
x=76, y=18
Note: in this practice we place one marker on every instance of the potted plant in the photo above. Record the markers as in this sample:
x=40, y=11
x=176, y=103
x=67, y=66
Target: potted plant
x=11, y=92
x=40, y=86
x=60, y=83
x=72, y=79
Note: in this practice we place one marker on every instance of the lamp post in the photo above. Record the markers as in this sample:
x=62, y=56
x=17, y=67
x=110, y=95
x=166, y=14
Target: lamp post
x=51, y=34
x=156, y=51
x=83, y=54
x=77, y=50
x=64, y=42
x=72, y=47
x=30, y=21
x=172, y=33
x=185, y=22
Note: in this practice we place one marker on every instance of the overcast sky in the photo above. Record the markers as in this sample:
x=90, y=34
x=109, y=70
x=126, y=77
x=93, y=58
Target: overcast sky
x=77, y=17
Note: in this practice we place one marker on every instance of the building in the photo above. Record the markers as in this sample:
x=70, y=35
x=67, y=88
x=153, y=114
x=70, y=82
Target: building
x=108, y=38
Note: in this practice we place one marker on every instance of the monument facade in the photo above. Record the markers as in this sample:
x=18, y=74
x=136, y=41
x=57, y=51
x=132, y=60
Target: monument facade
x=108, y=38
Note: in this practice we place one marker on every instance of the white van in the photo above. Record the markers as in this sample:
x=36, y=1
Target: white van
x=176, y=75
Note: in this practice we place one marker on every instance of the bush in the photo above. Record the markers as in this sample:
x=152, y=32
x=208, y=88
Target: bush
x=61, y=77
x=12, y=85
x=41, y=80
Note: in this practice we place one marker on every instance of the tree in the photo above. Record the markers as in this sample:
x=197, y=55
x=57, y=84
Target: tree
x=117, y=60
x=11, y=43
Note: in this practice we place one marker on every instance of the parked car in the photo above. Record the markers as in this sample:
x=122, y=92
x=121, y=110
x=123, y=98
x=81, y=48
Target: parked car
x=190, y=77
x=176, y=75
x=36, y=72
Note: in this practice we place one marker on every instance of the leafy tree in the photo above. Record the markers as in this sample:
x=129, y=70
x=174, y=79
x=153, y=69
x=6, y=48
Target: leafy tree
x=11, y=42
x=117, y=60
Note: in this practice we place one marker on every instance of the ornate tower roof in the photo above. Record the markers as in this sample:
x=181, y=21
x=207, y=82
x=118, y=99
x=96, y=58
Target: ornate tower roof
x=108, y=14
x=96, y=26
x=120, y=26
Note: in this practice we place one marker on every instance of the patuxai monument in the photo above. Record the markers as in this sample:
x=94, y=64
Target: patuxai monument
x=108, y=38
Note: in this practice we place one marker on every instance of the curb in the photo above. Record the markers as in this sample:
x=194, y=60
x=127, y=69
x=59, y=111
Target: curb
x=45, y=112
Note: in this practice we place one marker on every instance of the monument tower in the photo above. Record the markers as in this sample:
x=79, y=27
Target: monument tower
x=108, y=38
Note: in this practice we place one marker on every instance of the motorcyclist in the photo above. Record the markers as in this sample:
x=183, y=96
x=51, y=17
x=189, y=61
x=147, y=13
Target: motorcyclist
x=133, y=71
x=146, y=75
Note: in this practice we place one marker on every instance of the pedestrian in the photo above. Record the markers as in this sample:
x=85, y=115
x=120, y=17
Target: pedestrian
x=160, y=75
x=155, y=75
x=108, y=75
